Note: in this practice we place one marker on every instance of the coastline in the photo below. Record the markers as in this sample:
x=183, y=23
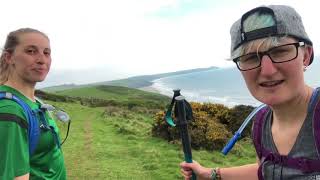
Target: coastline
x=150, y=89
x=155, y=88
x=202, y=96
x=201, y=99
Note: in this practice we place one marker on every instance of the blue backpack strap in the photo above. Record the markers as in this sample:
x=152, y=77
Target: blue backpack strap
x=33, y=125
x=44, y=125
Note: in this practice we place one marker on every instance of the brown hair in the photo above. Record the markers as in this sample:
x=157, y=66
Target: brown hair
x=11, y=42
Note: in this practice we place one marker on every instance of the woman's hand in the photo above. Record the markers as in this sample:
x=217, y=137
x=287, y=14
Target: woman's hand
x=201, y=172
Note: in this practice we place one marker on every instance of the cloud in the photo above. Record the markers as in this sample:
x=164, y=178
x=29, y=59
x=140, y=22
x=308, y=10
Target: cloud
x=138, y=37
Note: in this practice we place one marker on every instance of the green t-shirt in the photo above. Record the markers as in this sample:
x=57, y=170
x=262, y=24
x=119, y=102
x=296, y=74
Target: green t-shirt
x=46, y=162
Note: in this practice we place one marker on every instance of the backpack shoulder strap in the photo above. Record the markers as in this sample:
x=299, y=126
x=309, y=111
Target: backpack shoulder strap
x=257, y=135
x=14, y=118
x=316, y=119
x=257, y=130
x=33, y=125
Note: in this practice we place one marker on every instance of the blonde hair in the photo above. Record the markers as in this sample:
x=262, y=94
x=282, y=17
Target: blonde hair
x=248, y=47
x=9, y=47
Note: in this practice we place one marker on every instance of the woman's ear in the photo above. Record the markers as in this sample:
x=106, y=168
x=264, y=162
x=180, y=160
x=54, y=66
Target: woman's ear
x=308, y=50
x=8, y=57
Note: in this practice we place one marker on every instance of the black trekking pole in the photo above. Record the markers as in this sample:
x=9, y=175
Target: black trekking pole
x=183, y=126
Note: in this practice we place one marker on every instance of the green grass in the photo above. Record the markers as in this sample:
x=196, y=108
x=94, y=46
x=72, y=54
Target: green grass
x=104, y=95
x=116, y=143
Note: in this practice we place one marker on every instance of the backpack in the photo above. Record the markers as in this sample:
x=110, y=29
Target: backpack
x=33, y=127
x=303, y=164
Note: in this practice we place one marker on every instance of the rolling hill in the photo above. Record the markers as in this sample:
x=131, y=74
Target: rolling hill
x=131, y=82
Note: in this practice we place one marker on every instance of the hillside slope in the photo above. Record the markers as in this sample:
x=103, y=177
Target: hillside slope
x=118, y=95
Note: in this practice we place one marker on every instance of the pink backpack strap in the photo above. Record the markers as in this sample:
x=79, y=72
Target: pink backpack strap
x=257, y=130
x=257, y=135
x=316, y=123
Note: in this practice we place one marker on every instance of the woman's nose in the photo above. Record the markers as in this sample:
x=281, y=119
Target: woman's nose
x=41, y=58
x=267, y=66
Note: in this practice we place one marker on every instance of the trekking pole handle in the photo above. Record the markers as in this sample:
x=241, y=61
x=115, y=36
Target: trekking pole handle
x=183, y=125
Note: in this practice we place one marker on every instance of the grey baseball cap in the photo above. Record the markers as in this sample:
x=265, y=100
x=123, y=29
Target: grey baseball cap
x=287, y=23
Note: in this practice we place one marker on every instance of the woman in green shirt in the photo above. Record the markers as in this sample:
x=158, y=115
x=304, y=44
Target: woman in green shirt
x=26, y=60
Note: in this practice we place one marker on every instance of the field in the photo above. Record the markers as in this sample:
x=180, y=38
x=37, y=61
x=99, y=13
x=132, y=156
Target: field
x=115, y=142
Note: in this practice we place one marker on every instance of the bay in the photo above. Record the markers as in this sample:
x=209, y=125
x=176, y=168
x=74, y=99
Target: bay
x=224, y=85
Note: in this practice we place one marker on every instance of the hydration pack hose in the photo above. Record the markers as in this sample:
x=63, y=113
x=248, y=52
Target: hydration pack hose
x=238, y=133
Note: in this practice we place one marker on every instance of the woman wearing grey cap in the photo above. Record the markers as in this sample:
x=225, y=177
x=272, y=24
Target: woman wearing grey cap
x=272, y=50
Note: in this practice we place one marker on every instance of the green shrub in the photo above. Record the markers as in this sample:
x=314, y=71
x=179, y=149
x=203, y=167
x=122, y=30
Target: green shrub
x=236, y=117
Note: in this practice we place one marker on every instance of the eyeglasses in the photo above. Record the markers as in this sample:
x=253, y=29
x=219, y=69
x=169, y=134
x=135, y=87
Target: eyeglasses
x=279, y=54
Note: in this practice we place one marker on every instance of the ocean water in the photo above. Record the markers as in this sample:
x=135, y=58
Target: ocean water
x=225, y=86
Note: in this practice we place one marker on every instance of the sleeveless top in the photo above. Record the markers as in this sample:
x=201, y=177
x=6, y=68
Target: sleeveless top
x=304, y=146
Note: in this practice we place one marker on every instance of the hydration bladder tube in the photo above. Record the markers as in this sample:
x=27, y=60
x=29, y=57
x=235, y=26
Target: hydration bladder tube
x=59, y=114
x=237, y=135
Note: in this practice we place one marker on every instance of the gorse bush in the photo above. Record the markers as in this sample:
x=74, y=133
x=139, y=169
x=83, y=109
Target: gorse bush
x=206, y=131
x=53, y=97
x=237, y=115
x=161, y=129
x=211, y=128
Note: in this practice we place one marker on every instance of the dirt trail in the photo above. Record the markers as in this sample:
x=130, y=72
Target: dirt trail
x=88, y=137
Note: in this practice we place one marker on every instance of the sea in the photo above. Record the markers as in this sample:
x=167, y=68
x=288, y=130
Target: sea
x=222, y=85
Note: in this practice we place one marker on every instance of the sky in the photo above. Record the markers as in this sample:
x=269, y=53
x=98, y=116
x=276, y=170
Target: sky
x=111, y=39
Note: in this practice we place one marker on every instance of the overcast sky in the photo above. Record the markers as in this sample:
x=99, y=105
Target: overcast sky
x=136, y=37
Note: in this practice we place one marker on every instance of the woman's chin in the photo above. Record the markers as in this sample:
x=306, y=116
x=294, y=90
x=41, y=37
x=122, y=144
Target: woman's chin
x=270, y=100
x=40, y=80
